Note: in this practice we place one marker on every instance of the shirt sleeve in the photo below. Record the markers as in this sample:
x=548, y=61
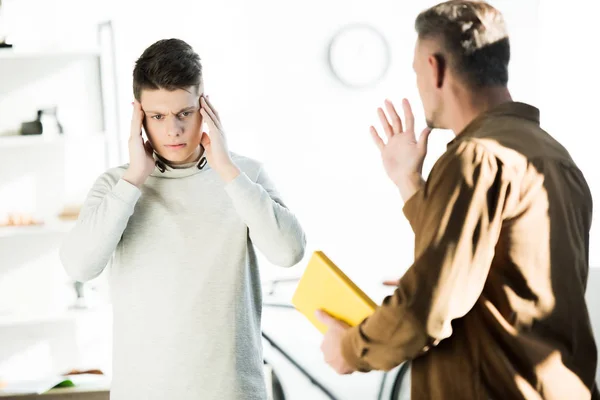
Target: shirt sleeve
x=89, y=246
x=456, y=224
x=273, y=228
x=411, y=208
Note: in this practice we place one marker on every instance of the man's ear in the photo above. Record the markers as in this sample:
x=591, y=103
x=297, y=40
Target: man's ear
x=439, y=69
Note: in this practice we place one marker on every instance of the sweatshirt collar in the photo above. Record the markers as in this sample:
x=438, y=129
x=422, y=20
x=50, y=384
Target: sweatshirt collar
x=163, y=170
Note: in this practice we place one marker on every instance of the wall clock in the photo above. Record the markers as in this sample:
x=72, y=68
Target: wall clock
x=359, y=55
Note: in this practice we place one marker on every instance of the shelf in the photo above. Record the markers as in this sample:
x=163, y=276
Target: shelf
x=27, y=140
x=27, y=319
x=15, y=54
x=11, y=141
x=49, y=228
x=21, y=318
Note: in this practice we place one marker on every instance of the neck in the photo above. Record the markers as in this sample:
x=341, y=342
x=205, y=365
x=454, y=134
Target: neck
x=192, y=158
x=196, y=156
x=470, y=105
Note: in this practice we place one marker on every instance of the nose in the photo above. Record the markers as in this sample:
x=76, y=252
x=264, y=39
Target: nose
x=174, y=127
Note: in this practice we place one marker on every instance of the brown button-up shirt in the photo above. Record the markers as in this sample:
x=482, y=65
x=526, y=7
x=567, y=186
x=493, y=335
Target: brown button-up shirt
x=493, y=306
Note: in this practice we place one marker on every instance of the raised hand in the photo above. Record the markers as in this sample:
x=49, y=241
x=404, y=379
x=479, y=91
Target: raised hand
x=215, y=142
x=402, y=155
x=141, y=161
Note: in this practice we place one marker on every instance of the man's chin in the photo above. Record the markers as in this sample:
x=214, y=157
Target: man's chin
x=179, y=159
x=431, y=124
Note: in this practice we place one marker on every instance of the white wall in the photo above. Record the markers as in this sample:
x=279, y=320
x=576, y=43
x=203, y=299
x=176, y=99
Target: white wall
x=569, y=87
x=568, y=93
x=279, y=103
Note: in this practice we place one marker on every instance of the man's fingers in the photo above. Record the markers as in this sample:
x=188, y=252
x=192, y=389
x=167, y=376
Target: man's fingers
x=208, y=119
x=396, y=120
x=210, y=105
x=376, y=138
x=387, y=128
x=325, y=318
x=214, y=127
x=205, y=140
x=409, y=118
x=137, y=119
x=394, y=282
x=330, y=320
x=204, y=105
x=424, y=138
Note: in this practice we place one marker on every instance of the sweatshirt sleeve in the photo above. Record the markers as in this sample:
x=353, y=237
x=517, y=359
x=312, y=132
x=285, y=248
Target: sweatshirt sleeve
x=89, y=246
x=273, y=228
x=456, y=229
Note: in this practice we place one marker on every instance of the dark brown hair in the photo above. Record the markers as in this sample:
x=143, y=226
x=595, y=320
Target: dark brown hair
x=169, y=64
x=473, y=40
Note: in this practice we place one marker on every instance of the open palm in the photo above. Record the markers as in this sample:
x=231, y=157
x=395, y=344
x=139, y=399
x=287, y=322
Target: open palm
x=402, y=155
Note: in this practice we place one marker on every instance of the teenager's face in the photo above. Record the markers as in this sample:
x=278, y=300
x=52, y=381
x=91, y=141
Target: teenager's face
x=173, y=123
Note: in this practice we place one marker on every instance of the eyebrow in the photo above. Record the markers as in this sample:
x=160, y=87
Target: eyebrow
x=190, y=108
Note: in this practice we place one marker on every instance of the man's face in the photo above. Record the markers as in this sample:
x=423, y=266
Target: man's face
x=425, y=67
x=173, y=123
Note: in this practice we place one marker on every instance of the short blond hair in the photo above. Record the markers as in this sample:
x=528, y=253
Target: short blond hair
x=472, y=36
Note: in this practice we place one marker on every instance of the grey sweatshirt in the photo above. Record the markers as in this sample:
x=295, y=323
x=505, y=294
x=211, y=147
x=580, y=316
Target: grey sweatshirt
x=184, y=277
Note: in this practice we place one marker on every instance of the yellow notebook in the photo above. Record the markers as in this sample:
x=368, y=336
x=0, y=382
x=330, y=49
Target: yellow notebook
x=324, y=286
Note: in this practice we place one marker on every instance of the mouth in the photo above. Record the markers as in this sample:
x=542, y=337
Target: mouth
x=175, y=146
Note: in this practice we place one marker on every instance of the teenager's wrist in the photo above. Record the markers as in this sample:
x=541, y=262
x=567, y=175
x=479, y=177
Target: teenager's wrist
x=229, y=172
x=134, y=177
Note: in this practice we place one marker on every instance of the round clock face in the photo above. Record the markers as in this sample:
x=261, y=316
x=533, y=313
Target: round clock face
x=359, y=55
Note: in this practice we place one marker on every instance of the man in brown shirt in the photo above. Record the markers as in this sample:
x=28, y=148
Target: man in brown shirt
x=493, y=306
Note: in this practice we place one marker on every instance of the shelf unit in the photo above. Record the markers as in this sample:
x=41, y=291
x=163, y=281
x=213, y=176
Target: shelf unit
x=46, y=175
x=100, y=57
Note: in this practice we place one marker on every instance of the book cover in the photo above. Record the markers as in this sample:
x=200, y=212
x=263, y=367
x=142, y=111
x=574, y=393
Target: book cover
x=324, y=286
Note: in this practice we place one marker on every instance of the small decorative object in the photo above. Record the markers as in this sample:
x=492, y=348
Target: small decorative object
x=46, y=122
x=19, y=219
x=50, y=123
x=359, y=55
x=69, y=213
x=32, y=127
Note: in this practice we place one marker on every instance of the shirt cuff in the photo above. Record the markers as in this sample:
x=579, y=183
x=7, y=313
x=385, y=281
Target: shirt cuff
x=126, y=192
x=352, y=350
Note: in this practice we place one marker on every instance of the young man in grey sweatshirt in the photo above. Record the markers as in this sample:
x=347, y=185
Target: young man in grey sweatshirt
x=178, y=226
